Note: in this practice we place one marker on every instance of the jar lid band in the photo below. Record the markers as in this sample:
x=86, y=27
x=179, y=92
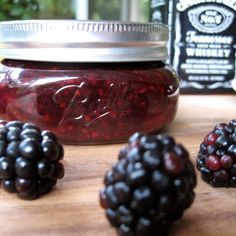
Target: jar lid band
x=83, y=41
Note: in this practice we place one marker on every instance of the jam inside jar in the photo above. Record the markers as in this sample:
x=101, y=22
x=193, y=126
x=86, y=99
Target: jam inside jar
x=89, y=102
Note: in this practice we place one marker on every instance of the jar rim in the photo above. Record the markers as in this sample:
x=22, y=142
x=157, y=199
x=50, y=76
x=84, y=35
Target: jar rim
x=83, y=41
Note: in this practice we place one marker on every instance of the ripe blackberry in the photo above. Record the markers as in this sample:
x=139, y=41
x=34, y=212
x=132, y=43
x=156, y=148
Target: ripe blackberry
x=29, y=159
x=216, y=158
x=149, y=187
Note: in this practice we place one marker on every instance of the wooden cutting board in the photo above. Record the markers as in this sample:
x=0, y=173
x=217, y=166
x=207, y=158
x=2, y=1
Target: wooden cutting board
x=73, y=207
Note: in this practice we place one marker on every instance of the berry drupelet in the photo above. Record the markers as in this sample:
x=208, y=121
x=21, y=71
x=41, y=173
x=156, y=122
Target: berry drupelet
x=216, y=158
x=29, y=159
x=149, y=187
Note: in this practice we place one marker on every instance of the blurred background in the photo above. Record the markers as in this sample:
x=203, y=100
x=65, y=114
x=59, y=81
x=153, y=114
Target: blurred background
x=128, y=10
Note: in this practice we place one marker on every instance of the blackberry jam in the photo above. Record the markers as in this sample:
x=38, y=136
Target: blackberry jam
x=88, y=91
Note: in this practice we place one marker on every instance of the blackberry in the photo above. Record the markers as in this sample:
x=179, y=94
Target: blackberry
x=216, y=159
x=29, y=159
x=149, y=187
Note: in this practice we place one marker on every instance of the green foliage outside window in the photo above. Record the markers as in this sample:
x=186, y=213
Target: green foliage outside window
x=18, y=9
x=35, y=9
x=56, y=9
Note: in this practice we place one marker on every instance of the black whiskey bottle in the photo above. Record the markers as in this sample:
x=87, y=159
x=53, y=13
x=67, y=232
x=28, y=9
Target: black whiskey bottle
x=202, y=43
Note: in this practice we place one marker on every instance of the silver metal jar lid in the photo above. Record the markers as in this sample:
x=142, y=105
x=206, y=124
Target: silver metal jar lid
x=83, y=41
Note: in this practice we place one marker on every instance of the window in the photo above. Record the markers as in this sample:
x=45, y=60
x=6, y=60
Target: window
x=131, y=10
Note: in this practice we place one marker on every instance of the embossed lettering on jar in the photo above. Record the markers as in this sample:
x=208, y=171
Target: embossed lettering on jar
x=93, y=91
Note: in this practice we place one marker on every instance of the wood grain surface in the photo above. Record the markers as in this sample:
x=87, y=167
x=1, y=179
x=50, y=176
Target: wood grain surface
x=72, y=208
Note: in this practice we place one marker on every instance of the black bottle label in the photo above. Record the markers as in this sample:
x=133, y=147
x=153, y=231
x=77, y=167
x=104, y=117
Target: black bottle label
x=204, y=44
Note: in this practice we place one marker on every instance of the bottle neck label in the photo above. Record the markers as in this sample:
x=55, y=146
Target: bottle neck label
x=183, y=5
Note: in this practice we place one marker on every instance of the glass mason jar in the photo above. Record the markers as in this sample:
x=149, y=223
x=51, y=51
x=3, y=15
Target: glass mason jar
x=87, y=81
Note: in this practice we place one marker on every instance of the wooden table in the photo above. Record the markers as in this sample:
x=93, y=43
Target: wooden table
x=73, y=207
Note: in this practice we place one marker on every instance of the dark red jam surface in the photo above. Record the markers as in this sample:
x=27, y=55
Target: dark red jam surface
x=89, y=103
